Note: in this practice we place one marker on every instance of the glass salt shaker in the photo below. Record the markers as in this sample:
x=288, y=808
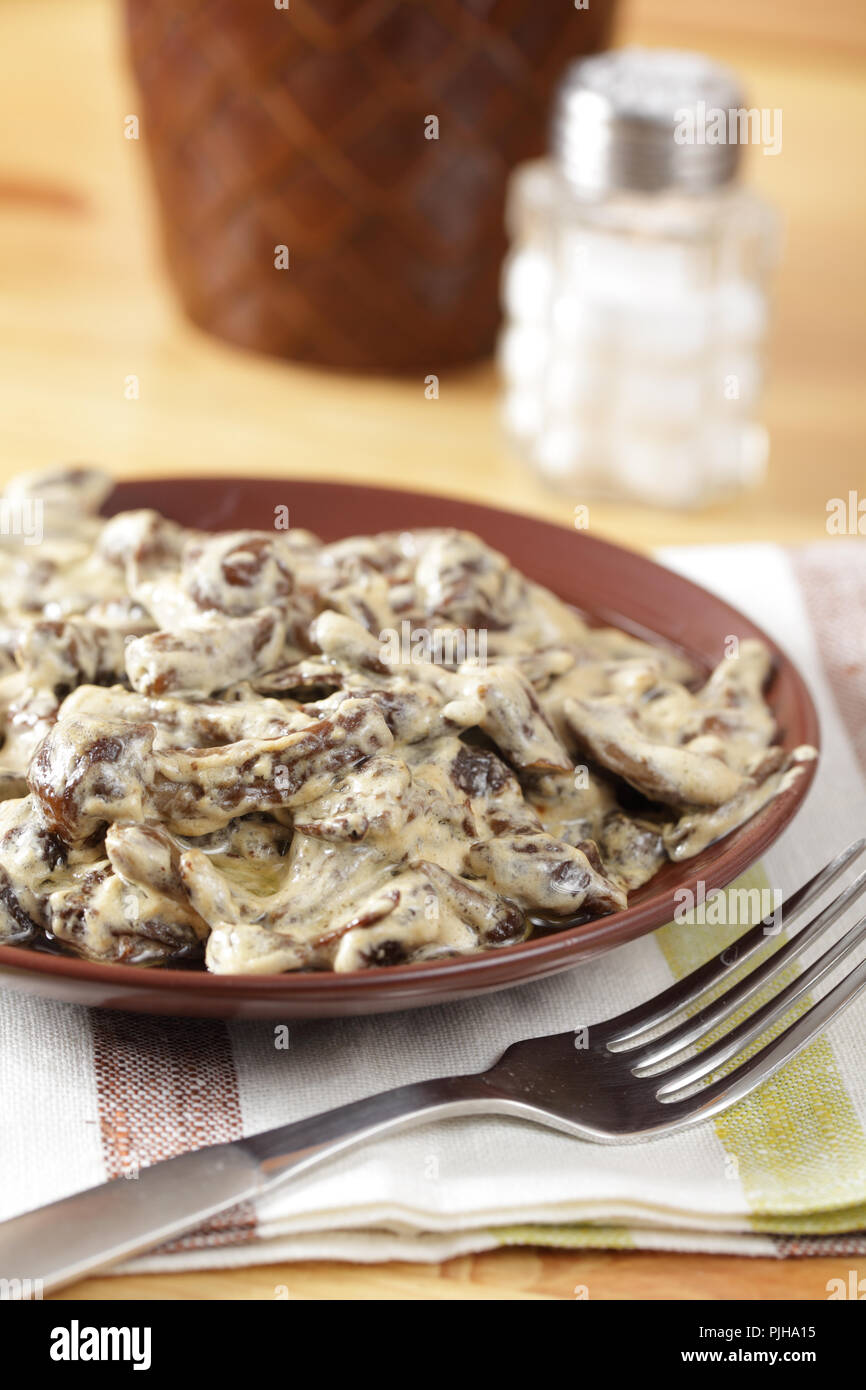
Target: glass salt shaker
x=635, y=291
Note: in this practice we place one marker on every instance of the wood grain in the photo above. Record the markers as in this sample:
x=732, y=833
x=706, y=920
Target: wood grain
x=501, y=1274
x=84, y=306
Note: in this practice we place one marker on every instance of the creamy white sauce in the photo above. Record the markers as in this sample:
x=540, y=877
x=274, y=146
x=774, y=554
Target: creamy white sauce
x=209, y=744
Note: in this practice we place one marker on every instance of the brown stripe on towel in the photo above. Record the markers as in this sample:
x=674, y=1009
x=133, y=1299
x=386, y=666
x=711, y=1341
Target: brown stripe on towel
x=167, y=1085
x=800, y=1246
x=832, y=578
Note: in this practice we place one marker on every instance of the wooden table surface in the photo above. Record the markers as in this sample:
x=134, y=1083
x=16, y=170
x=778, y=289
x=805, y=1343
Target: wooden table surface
x=84, y=306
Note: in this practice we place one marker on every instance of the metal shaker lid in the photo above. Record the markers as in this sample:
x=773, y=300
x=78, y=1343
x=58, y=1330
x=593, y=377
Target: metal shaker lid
x=645, y=120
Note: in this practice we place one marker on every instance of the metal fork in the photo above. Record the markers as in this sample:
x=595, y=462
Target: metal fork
x=609, y=1091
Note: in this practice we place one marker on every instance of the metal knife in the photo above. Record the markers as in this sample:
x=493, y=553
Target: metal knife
x=91, y=1230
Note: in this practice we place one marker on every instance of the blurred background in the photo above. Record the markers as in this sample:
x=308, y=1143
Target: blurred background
x=98, y=361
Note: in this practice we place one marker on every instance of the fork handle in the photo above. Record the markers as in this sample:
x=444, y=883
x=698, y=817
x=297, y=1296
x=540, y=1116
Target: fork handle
x=91, y=1230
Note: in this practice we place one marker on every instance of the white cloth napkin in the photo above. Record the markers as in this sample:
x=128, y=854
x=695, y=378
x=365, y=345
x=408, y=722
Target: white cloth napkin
x=91, y=1093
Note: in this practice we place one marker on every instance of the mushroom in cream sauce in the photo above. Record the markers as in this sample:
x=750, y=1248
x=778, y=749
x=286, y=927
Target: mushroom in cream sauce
x=212, y=748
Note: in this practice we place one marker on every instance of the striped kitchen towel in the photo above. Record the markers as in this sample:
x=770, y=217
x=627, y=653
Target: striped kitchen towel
x=95, y=1094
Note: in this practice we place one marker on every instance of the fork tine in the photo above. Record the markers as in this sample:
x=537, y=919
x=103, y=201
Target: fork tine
x=758, y=1022
x=716, y=1012
x=670, y=1001
x=765, y=1063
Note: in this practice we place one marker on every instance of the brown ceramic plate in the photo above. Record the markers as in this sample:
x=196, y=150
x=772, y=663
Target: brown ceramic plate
x=612, y=586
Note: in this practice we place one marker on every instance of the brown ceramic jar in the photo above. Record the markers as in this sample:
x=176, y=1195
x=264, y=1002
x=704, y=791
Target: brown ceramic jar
x=311, y=125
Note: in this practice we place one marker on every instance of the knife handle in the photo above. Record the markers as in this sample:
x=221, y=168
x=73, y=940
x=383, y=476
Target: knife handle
x=91, y=1230
x=86, y=1232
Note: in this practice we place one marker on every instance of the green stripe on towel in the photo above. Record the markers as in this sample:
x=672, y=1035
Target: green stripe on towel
x=798, y=1143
